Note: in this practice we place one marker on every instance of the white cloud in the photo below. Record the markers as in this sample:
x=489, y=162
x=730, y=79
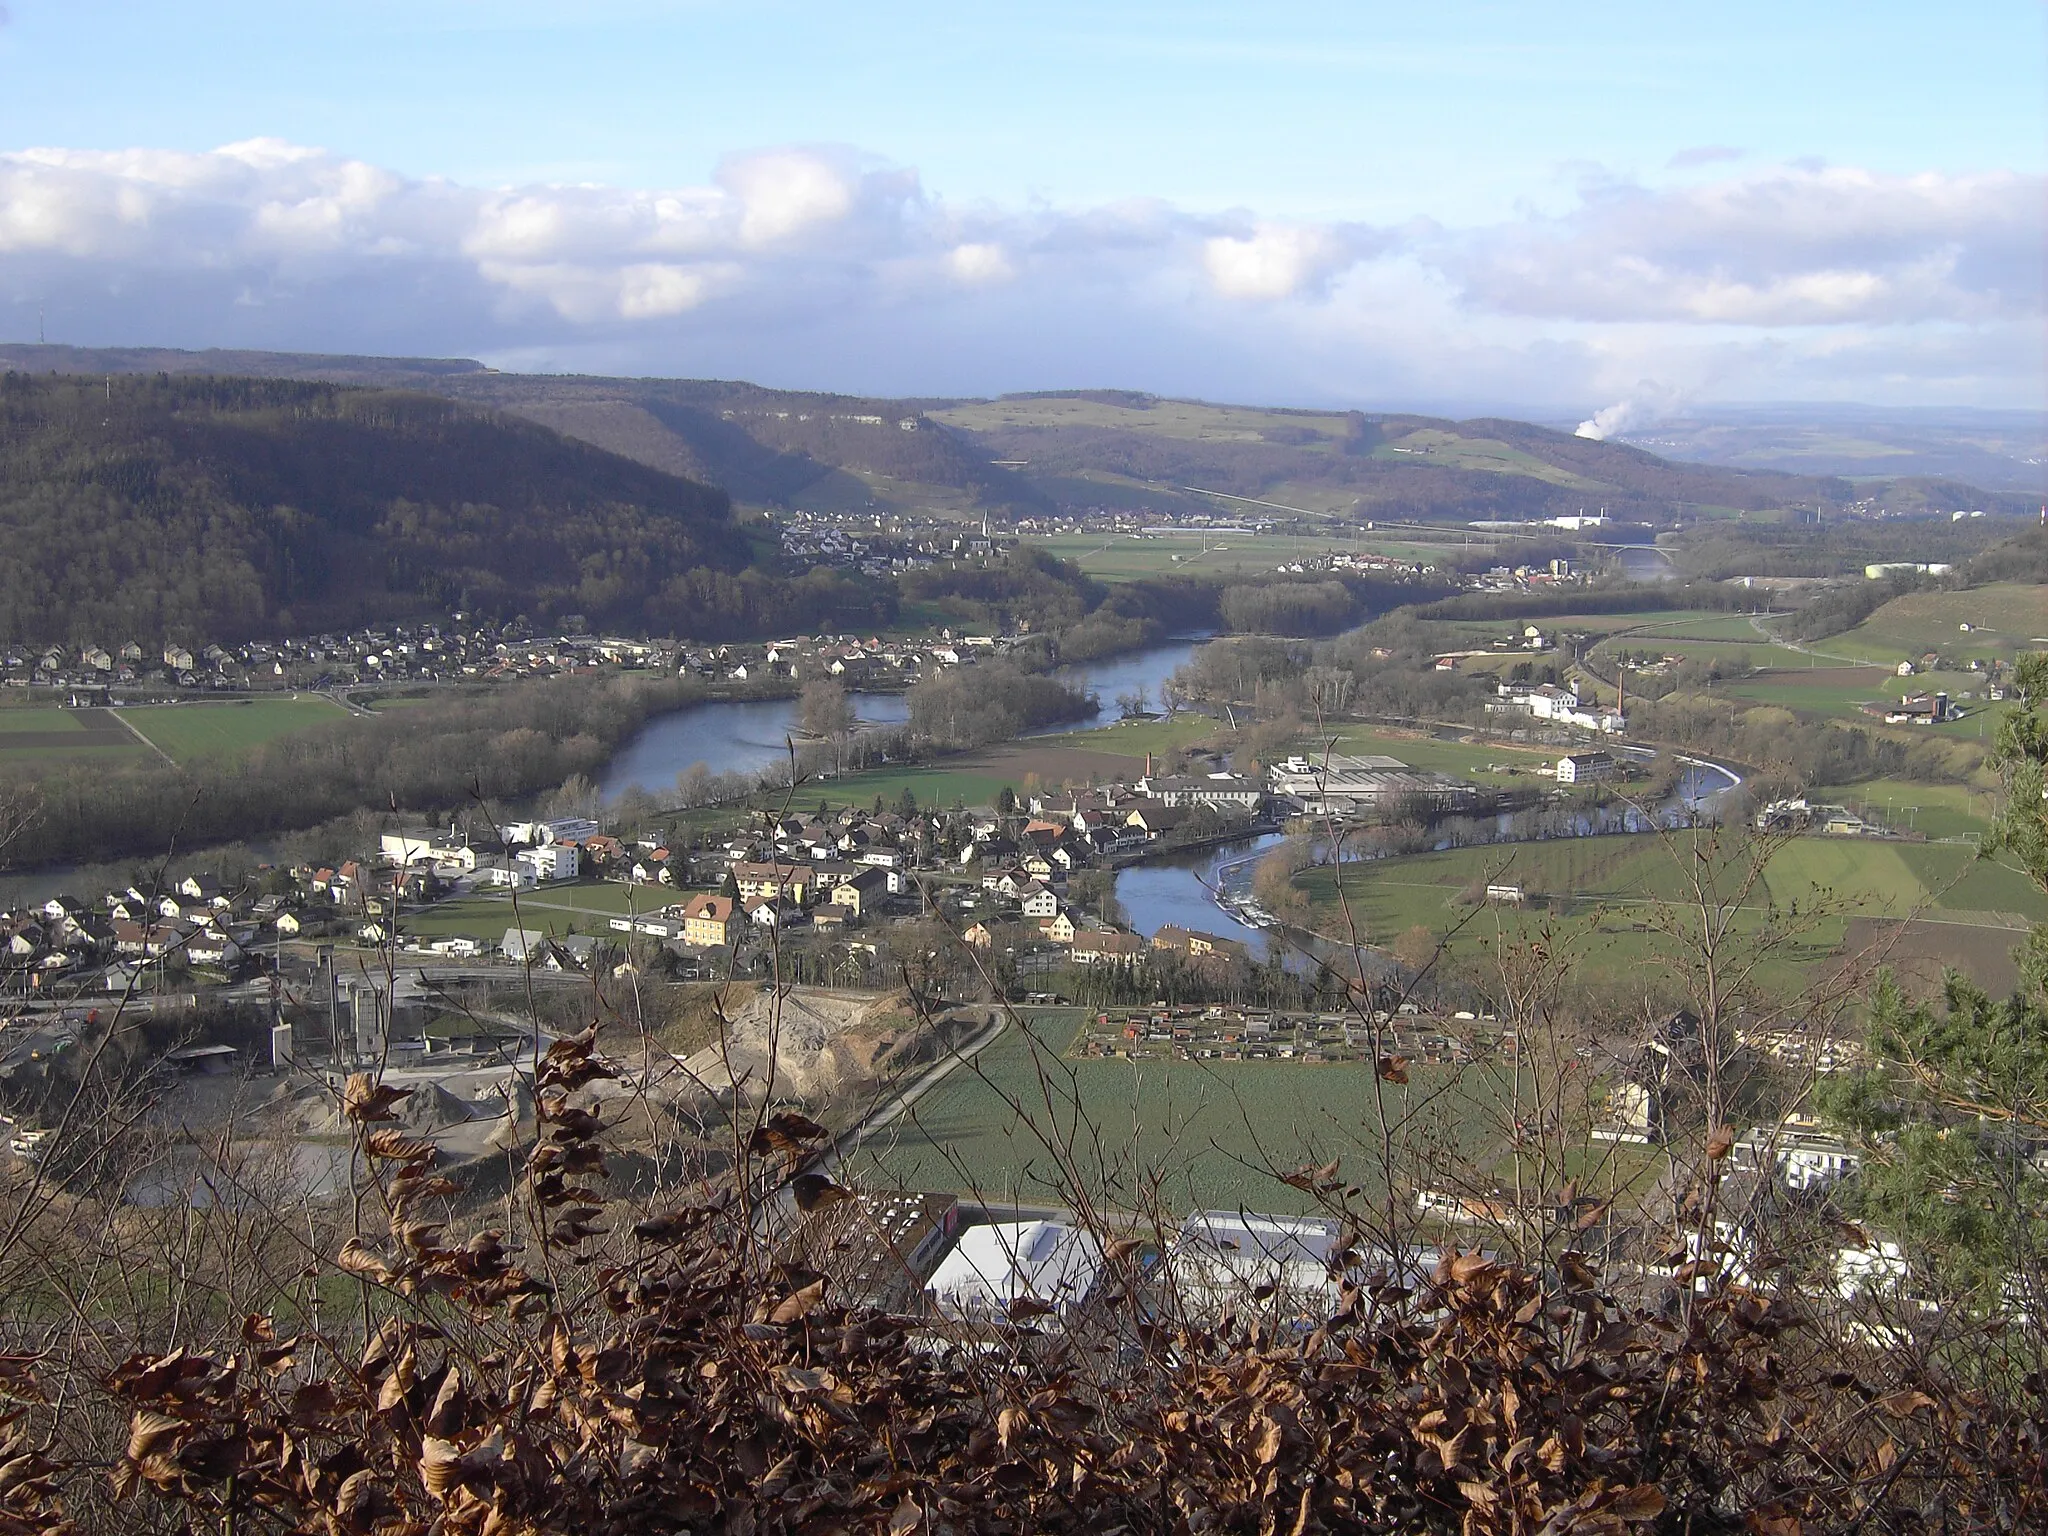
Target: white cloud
x=784, y=192
x=1275, y=261
x=975, y=262
x=1788, y=246
x=822, y=266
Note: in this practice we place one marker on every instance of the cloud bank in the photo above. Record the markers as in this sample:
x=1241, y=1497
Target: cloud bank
x=824, y=266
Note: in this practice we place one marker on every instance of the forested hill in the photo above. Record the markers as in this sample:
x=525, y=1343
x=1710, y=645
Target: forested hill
x=150, y=507
x=1070, y=450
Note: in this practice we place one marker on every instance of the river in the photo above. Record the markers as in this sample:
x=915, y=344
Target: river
x=746, y=736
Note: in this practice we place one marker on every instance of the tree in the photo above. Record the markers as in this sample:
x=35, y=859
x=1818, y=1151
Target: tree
x=1273, y=879
x=1006, y=801
x=824, y=710
x=1415, y=947
x=1952, y=1097
x=906, y=803
x=693, y=785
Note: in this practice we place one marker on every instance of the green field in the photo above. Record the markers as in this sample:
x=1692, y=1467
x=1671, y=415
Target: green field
x=1183, y=1134
x=1126, y=557
x=1604, y=890
x=43, y=735
x=1450, y=450
x=582, y=906
x=188, y=733
x=1718, y=626
x=1820, y=691
x=1188, y=420
x=2006, y=618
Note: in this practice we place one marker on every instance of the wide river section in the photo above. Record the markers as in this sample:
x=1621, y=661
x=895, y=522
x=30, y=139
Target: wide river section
x=746, y=736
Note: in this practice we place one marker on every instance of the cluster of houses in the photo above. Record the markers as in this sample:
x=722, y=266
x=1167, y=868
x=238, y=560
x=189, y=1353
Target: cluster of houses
x=881, y=543
x=457, y=651
x=1562, y=705
x=128, y=933
x=856, y=663
x=1528, y=578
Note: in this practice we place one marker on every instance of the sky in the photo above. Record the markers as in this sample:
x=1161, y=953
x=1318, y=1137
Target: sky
x=1601, y=208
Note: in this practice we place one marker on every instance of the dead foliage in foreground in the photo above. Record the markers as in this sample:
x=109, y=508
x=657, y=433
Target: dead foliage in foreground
x=694, y=1387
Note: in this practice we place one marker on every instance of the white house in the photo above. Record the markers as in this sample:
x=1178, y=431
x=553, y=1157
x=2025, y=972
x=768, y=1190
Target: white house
x=506, y=873
x=408, y=847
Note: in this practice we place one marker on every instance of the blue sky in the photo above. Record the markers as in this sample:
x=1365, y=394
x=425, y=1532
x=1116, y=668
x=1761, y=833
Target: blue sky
x=1551, y=207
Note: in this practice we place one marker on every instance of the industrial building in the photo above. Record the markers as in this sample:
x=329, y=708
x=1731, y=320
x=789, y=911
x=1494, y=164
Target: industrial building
x=1339, y=785
x=993, y=1267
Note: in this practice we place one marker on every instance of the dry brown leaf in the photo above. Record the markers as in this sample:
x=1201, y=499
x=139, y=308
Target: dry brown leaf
x=365, y=1100
x=147, y=1430
x=440, y=1466
x=358, y=1258
x=800, y=1305
x=1638, y=1505
x=816, y=1192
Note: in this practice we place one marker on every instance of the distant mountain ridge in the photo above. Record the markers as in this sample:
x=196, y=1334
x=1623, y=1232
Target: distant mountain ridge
x=1046, y=451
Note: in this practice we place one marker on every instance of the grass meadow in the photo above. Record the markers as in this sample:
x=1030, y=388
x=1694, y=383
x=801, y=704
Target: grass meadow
x=188, y=733
x=1600, y=894
x=1181, y=1134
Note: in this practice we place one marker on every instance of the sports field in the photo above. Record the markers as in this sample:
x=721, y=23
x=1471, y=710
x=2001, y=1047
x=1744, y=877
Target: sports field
x=1479, y=762
x=1040, y=761
x=582, y=906
x=1938, y=810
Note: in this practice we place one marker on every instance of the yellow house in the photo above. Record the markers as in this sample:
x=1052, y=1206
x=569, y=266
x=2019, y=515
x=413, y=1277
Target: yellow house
x=860, y=893
x=709, y=922
x=778, y=882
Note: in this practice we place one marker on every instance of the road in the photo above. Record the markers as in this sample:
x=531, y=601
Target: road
x=1756, y=623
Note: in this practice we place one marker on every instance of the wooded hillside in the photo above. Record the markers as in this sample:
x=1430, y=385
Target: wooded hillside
x=153, y=508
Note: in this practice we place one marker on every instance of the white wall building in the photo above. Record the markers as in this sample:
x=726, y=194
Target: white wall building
x=994, y=1266
x=550, y=861
x=507, y=873
x=1223, y=1257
